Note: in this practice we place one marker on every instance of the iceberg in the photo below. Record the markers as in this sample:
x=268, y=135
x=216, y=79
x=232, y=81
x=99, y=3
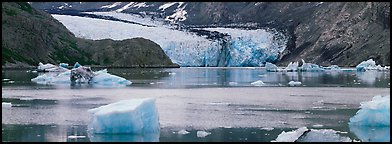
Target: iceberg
x=370, y=64
x=50, y=68
x=294, y=83
x=183, y=132
x=291, y=136
x=323, y=135
x=373, y=113
x=258, y=83
x=101, y=78
x=202, y=133
x=271, y=67
x=292, y=66
x=311, y=135
x=310, y=67
x=6, y=105
x=371, y=134
x=150, y=137
x=135, y=116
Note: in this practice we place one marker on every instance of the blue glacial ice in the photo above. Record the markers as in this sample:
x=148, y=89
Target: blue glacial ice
x=370, y=64
x=373, y=113
x=371, y=134
x=135, y=116
x=101, y=78
x=151, y=137
x=304, y=134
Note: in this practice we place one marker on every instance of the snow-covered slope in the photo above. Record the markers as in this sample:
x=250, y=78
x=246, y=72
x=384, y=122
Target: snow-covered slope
x=240, y=48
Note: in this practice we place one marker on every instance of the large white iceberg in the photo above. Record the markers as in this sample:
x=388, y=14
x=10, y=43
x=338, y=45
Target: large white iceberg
x=373, y=113
x=136, y=116
x=370, y=64
x=258, y=83
x=101, y=78
x=311, y=135
x=293, y=66
x=271, y=67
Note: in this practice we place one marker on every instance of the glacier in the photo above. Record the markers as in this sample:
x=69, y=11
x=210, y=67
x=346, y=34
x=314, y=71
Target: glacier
x=373, y=113
x=135, y=116
x=239, y=48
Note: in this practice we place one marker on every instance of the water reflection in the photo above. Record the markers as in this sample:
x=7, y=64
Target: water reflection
x=216, y=77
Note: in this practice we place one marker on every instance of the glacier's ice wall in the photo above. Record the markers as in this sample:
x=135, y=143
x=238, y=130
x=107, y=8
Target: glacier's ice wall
x=241, y=48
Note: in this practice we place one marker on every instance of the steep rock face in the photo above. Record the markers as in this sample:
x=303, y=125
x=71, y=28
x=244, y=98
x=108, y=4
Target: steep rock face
x=342, y=33
x=30, y=36
x=33, y=36
x=130, y=52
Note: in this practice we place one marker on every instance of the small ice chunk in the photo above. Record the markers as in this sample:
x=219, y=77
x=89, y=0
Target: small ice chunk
x=6, y=79
x=137, y=116
x=271, y=67
x=172, y=73
x=75, y=137
x=258, y=83
x=267, y=128
x=11, y=82
x=233, y=83
x=373, y=113
x=310, y=67
x=317, y=125
x=183, y=132
x=322, y=135
x=6, y=105
x=291, y=136
x=202, y=133
x=294, y=83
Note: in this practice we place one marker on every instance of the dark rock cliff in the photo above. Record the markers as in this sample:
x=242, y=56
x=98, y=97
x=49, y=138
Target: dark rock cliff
x=31, y=36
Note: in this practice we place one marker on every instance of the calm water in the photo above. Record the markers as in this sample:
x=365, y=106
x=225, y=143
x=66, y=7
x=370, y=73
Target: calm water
x=221, y=101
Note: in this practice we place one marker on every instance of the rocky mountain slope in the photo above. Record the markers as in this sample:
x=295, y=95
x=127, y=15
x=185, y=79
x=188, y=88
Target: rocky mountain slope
x=342, y=33
x=31, y=36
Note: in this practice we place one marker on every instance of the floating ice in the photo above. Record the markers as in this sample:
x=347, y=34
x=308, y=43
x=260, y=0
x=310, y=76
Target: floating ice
x=271, y=67
x=136, y=116
x=101, y=78
x=75, y=137
x=373, y=113
x=322, y=135
x=50, y=68
x=183, y=132
x=258, y=83
x=371, y=134
x=6, y=105
x=294, y=83
x=292, y=66
x=202, y=133
x=309, y=67
x=64, y=65
x=291, y=136
x=268, y=129
x=233, y=83
x=370, y=64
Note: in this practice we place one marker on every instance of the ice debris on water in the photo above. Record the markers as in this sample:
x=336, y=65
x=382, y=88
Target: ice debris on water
x=291, y=136
x=304, y=134
x=101, y=77
x=137, y=116
x=373, y=113
x=258, y=83
x=267, y=128
x=202, y=133
x=294, y=83
x=183, y=132
x=305, y=67
x=75, y=137
x=6, y=105
x=370, y=64
x=51, y=68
